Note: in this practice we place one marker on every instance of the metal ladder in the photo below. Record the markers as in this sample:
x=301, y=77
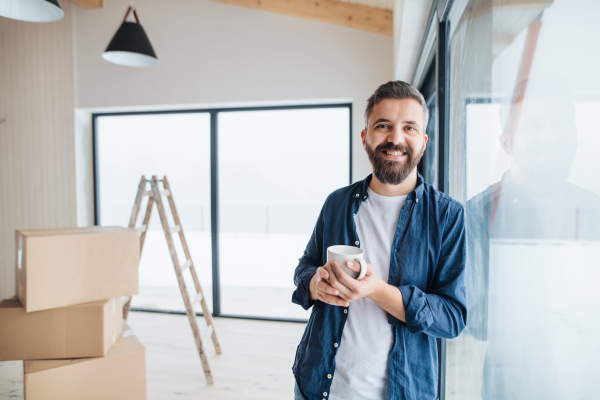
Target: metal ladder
x=155, y=196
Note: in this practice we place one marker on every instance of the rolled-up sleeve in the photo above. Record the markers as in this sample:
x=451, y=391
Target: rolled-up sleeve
x=442, y=311
x=308, y=264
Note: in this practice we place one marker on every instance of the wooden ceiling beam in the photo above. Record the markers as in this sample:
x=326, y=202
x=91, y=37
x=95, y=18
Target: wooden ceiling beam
x=89, y=4
x=351, y=15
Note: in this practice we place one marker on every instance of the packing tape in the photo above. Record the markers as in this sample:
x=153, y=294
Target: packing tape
x=127, y=333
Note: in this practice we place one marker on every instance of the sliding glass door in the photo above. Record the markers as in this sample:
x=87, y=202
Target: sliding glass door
x=274, y=168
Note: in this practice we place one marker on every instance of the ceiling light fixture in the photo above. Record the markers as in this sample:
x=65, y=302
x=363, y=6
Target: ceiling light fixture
x=31, y=10
x=130, y=46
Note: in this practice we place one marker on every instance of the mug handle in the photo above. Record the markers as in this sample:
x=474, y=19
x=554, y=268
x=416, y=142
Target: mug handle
x=363, y=268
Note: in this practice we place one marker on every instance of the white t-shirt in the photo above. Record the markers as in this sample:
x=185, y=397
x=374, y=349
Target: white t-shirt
x=362, y=358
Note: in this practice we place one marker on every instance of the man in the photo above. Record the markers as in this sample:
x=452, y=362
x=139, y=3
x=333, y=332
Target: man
x=376, y=338
x=533, y=241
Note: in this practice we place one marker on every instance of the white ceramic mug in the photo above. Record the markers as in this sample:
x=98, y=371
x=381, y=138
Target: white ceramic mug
x=342, y=254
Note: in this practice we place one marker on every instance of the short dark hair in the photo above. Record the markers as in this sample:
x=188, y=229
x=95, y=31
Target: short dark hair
x=398, y=90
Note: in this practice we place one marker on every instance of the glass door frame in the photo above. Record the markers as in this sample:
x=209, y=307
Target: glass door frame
x=214, y=186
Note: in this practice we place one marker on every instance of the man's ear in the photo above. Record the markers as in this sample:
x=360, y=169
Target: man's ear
x=425, y=139
x=363, y=136
x=506, y=141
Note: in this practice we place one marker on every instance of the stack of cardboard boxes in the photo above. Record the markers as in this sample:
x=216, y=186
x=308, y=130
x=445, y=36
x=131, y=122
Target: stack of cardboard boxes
x=66, y=321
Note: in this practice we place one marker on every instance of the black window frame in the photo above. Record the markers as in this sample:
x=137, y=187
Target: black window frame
x=214, y=186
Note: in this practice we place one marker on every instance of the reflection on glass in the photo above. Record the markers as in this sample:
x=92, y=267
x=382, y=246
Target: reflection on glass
x=524, y=133
x=276, y=169
x=175, y=145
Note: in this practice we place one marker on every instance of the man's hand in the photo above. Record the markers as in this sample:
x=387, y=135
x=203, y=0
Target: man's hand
x=320, y=288
x=350, y=289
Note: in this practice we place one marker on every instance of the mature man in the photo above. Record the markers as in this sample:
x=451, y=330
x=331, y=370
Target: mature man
x=375, y=338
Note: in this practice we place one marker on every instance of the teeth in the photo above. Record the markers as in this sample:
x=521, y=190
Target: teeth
x=393, y=153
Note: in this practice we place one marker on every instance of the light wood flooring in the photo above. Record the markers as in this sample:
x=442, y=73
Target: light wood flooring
x=256, y=362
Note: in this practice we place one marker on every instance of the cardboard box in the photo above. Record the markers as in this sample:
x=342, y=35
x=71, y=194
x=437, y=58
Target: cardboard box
x=86, y=330
x=121, y=374
x=63, y=267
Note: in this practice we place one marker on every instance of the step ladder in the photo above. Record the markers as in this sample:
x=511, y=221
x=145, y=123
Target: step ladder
x=155, y=195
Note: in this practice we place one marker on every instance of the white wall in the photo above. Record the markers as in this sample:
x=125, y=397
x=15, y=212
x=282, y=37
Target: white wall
x=216, y=53
x=37, y=156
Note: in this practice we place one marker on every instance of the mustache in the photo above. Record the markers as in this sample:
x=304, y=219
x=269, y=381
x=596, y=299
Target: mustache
x=394, y=147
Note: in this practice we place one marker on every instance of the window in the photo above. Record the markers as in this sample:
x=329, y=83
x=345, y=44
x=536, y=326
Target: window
x=273, y=168
x=523, y=142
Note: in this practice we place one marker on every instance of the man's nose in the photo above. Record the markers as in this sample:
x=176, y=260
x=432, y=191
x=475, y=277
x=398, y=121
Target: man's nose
x=396, y=136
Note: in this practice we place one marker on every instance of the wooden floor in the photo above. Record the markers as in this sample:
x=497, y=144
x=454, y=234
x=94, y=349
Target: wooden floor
x=256, y=362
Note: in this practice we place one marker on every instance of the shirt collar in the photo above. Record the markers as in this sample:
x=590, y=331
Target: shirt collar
x=362, y=193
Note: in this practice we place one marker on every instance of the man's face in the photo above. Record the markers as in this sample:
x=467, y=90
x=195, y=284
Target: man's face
x=544, y=144
x=395, y=139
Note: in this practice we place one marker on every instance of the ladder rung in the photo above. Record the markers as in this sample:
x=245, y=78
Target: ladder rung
x=185, y=266
x=197, y=300
x=207, y=335
x=142, y=228
x=176, y=228
x=165, y=192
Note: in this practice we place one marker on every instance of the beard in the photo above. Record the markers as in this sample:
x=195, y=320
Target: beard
x=392, y=172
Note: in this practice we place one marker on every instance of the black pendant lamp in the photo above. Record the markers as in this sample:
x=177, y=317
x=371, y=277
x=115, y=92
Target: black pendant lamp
x=31, y=10
x=130, y=45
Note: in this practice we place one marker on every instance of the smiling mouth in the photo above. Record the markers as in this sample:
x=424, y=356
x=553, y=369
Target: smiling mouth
x=393, y=153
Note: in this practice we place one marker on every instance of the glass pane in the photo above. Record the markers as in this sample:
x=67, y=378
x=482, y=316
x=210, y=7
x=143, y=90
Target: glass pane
x=276, y=168
x=172, y=145
x=524, y=134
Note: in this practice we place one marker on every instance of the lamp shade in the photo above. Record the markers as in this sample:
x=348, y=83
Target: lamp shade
x=130, y=46
x=31, y=10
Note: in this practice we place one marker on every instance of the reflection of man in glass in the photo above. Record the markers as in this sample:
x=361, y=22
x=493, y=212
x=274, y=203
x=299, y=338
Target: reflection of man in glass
x=526, y=252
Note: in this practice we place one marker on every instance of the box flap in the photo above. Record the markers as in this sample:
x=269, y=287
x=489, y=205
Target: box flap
x=10, y=303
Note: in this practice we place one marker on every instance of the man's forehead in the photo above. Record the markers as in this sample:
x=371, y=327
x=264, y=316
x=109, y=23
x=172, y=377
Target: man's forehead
x=397, y=109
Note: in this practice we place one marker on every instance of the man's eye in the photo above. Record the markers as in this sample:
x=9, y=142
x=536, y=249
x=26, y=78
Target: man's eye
x=382, y=126
x=412, y=128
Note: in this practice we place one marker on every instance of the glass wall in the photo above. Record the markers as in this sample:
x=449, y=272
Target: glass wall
x=276, y=168
x=524, y=137
x=175, y=145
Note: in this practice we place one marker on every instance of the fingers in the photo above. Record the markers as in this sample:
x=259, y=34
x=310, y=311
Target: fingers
x=322, y=274
x=338, y=280
x=353, y=266
x=328, y=294
x=325, y=287
x=345, y=282
x=330, y=299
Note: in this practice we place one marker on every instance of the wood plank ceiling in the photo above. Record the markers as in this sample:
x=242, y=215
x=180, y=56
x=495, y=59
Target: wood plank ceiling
x=368, y=15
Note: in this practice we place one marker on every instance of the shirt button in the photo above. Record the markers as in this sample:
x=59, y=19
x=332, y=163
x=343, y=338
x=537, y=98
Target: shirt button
x=324, y=393
x=328, y=376
x=417, y=200
x=356, y=243
x=335, y=345
x=365, y=197
x=345, y=311
x=357, y=195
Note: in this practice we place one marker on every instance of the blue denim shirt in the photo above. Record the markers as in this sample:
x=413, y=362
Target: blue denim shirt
x=427, y=266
